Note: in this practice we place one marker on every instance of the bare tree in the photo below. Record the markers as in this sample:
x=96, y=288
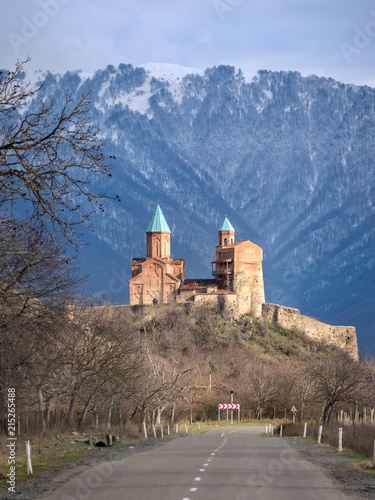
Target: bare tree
x=262, y=383
x=49, y=155
x=337, y=378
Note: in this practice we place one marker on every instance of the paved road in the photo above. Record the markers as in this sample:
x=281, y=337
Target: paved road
x=221, y=464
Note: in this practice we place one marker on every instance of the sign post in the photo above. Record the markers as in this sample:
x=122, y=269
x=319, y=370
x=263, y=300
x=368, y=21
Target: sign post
x=294, y=413
x=227, y=406
x=231, y=402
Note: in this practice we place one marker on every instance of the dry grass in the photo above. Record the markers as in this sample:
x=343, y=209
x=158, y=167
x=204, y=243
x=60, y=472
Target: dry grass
x=357, y=438
x=45, y=453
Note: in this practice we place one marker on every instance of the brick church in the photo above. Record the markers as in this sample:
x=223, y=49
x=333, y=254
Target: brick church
x=237, y=283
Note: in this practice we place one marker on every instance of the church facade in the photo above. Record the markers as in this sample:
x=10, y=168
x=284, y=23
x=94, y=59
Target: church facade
x=237, y=272
x=156, y=278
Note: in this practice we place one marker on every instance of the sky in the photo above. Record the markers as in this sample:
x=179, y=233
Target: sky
x=331, y=38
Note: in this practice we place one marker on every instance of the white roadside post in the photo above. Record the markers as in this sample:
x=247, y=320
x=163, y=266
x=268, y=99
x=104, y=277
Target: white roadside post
x=340, y=440
x=144, y=429
x=199, y=427
x=281, y=431
x=271, y=430
x=162, y=432
x=320, y=432
x=176, y=428
x=266, y=429
x=28, y=458
x=305, y=430
x=169, y=430
x=373, y=457
x=186, y=430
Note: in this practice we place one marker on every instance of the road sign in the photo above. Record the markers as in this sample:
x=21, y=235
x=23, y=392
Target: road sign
x=294, y=409
x=228, y=407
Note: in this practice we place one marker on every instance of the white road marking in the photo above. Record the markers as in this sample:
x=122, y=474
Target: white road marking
x=212, y=454
x=193, y=489
x=197, y=479
x=222, y=434
x=201, y=470
x=205, y=465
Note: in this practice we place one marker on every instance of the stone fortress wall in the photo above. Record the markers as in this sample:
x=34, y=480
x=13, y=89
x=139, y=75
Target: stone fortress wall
x=290, y=318
x=344, y=337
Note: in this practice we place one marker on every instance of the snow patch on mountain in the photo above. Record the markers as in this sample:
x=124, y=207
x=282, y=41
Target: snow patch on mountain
x=172, y=73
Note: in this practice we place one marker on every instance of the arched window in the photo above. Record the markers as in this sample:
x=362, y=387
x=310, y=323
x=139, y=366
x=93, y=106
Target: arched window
x=231, y=240
x=226, y=242
x=154, y=301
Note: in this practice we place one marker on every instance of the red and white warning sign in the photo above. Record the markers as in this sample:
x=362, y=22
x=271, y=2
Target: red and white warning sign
x=293, y=408
x=228, y=407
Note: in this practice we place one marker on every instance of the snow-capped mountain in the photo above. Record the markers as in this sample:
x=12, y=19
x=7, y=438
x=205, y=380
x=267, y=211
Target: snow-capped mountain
x=289, y=159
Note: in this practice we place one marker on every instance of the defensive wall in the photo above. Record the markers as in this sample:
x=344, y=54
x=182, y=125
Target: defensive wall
x=290, y=318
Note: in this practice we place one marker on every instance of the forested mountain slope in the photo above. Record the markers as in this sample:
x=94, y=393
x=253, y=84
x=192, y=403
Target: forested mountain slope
x=289, y=159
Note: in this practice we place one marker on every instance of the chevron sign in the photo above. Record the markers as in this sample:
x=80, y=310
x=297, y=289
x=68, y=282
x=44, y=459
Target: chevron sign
x=228, y=407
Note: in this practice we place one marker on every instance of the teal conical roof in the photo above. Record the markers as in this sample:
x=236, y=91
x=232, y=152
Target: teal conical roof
x=226, y=226
x=158, y=224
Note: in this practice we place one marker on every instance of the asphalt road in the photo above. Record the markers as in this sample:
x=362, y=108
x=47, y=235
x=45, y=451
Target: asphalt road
x=223, y=463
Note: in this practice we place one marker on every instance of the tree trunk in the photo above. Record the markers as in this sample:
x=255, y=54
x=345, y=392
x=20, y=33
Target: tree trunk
x=85, y=410
x=41, y=409
x=58, y=410
x=120, y=420
x=328, y=409
x=173, y=413
x=96, y=420
x=158, y=415
x=70, y=416
x=109, y=414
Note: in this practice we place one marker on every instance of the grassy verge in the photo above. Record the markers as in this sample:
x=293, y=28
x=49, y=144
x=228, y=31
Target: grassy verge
x=46, y=453
x=358, y=441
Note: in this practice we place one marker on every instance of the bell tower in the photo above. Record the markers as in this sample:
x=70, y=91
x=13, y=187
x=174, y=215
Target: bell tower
x=158, y=236
x=226, y=233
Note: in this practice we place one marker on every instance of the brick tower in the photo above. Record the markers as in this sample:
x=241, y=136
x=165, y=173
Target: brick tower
x=238, y=265
x=156, y=278
x=158, y=236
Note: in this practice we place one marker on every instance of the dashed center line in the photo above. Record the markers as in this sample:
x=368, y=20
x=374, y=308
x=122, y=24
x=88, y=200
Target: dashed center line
x=209, y=460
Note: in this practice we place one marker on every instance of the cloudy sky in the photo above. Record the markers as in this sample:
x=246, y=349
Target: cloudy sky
x=333, y=38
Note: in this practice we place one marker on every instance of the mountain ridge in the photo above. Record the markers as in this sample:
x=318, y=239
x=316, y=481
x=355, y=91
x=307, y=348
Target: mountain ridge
x=288, y=158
